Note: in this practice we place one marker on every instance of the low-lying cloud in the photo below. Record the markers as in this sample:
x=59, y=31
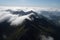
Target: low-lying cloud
x=16, y=19
x=13, y=19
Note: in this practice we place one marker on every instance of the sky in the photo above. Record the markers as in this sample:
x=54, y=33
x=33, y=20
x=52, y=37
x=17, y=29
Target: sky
x=38, y=3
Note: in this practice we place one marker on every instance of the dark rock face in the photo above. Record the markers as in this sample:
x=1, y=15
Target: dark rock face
x=34, y=29
x=5, y=29
x=31, y=34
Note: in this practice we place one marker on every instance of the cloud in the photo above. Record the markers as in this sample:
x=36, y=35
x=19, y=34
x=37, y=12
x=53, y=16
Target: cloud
x=4, y=16
x=43, y=37
x=19, y=20
x=13, y=19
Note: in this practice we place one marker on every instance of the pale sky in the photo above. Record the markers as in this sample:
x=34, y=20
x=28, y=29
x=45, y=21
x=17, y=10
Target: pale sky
x=41, y=3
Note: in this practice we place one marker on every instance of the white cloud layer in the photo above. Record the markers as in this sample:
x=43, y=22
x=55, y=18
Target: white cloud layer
x=15, y=19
